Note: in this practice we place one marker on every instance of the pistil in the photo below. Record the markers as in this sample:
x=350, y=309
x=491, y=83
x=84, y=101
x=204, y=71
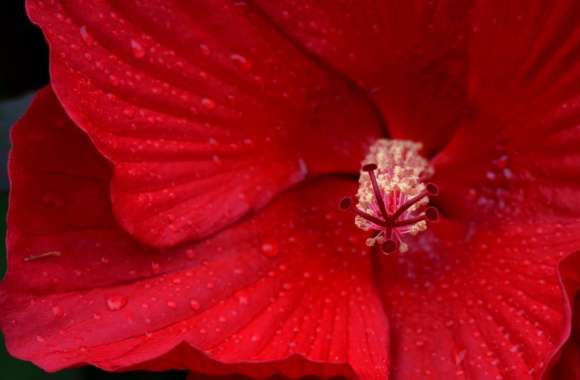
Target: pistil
x=392, y=198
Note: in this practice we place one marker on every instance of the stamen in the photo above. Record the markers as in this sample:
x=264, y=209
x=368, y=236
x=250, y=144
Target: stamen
x=430, y=189
x=409, y=222
x=392, y=200
x=370, y=169
x=370, y=218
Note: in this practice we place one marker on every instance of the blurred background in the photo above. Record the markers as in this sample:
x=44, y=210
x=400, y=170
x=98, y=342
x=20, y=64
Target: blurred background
x=23, y=70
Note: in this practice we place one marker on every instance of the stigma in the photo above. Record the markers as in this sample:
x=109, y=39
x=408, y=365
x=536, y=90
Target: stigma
x=393, y=197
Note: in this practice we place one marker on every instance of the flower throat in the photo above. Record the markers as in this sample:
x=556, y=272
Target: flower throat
x=392, y=197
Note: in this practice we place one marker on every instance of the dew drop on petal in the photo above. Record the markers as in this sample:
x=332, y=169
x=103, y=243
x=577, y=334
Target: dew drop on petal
x=87, y=39
x=116, y=302
x=190, y=253
x=57, y=311
x=459, y=357
x=269, y=249
x=241, y=61
x=204, y=49
x=137, y=49
x=208, y=103
x=194, y=305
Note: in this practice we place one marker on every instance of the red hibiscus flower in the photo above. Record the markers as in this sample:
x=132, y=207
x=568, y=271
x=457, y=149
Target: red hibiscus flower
x=175, y=193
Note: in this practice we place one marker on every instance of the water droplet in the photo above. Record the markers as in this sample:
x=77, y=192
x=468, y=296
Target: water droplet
x=208, y=103
x=137, y=49
x=194, y=305
x=204, y=49
x=116, y=302
x=459, y=357
x=241, y=61
x=190, y=253
x=269, y=249
x=87, y=38
x=303, y=167
x=57, y=311
x=171, y=304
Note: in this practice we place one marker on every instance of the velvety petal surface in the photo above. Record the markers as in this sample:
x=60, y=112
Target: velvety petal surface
x=509, y=174
x=289, y=290
x=496, y=84
x=516, y=154
x=478, y=303
x=410, y=57
x=205, y=108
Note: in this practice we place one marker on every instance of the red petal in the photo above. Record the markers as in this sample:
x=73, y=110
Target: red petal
x=410, y=56
x=483, y=302
x=499, y=79
x=291, y=285
x=567, y=365
x=518, y=150
x=205, y=114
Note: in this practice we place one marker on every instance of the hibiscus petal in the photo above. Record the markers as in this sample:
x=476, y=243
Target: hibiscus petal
x=478, y=303
x=517, y=152
x=567, y=365
x=205, y=114
x=499, y=82
x=292, y=285
x=410, y=56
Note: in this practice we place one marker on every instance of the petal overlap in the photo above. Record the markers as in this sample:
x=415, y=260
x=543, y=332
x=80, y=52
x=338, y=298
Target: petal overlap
x=290, y=285
x=205, y=114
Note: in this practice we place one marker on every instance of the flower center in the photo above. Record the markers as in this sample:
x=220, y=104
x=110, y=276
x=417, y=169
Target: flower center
x=392, y=198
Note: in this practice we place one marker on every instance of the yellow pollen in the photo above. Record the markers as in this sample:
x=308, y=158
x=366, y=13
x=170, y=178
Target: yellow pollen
x=399, y=172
